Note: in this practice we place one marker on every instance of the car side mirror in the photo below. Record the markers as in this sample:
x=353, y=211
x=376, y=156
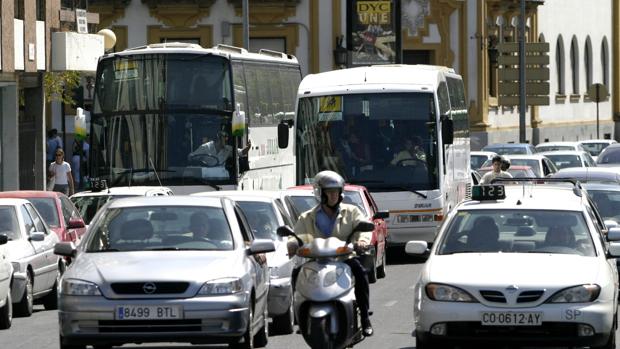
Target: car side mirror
x=76, y=223
x=3, y=239
x=66, y=249
x=381, y=215
x=613, y=234
x=261, y=246
x=36, y=236
x=284, y=231
x=416, y=248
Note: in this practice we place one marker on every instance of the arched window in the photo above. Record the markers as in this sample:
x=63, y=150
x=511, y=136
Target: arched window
x=605, y=61
x=559, y=64
x=587, y=61
x=574, y=64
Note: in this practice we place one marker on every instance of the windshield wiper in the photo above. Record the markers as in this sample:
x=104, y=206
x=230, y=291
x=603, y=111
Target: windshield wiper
x=405, y=188
x=106, y=250
x=387, y=186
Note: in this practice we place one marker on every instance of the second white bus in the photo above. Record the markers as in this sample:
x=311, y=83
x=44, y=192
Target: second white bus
x=402, y=131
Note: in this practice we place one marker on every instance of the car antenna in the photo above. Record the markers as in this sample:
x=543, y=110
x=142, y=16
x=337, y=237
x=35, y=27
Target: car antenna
x=155, y=171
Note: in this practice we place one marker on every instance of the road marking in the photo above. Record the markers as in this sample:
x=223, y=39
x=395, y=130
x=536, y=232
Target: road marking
x=390, y=303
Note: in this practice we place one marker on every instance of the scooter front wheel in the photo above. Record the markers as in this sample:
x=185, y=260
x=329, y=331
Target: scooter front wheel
x=319, y=337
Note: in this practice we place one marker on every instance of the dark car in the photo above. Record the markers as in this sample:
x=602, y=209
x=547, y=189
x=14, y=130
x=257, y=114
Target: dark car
x=57, y=211
x=610, y=156
x=511, y=148
x=589, y=174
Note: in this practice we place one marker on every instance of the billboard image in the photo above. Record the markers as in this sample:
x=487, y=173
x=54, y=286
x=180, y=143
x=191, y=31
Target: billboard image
x=373, y=34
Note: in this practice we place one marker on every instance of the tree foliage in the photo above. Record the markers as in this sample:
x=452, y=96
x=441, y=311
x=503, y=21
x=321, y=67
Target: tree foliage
x=59, y=86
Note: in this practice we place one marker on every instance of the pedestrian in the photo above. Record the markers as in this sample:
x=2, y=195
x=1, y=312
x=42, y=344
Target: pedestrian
x=53, y=142
x=76, y=160
x=60, y=173
x=496, y=172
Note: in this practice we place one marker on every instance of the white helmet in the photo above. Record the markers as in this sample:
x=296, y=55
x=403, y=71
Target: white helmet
x=328, y=180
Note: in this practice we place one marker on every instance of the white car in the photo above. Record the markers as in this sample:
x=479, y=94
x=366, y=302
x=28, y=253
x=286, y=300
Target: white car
x=552, y=146
x=477, y=158
x=596, y=146
x=36, y=270
x=540, y=164
x=570, y=158
x=529, y=269
x=89, y=202
x=265, y=214
x=6, y=271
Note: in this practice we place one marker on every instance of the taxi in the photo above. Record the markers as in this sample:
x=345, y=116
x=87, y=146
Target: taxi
x=525, y=263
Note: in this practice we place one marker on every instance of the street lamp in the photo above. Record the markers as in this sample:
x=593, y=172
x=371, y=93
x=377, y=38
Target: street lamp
x=340, y=53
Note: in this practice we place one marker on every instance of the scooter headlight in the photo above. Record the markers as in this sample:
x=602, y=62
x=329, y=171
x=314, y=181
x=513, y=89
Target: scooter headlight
x=332, y=276
x=312, y=277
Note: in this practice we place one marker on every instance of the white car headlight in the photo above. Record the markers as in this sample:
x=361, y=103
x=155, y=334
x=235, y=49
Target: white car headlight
x=445, y=293
x=221, y=287
x=577, y=294
x=332, y=276
x=75, y=287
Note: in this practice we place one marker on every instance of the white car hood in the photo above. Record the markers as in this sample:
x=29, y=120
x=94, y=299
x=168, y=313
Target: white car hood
x=504, y=269
x=190, y=266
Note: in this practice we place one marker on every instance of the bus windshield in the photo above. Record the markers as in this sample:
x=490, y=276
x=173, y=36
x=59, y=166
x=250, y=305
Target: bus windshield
x=384, y=141
x=163, y=118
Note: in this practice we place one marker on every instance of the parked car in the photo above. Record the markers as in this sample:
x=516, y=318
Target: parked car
x=36, y=270
x=589, y=174
x=541, y=166
x=610, y=156
x=511, y=148
x=596, y=146
x=302, y=199
x=477, y=158
x=553, y=146
x=166, y=269
x=56, y=209
x=89, y=202
x=606, y=197
x=516, y=171
x=6, y=273
x=265, y=215
x=570, y=158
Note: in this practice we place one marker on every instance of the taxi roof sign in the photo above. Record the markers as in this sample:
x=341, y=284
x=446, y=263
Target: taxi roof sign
x=488, y=192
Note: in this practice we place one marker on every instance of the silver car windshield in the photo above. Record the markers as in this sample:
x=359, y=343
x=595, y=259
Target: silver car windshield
x=522, y=231
x=161, y=228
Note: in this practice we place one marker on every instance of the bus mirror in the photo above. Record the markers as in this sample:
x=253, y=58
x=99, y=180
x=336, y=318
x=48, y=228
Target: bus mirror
x=447, y=130
x=238, y=121
x=244, y=164
x=282, y=135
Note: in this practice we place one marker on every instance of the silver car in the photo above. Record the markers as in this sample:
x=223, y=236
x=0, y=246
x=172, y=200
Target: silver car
x=266, y=214
x=36, y=270
x=165, y=269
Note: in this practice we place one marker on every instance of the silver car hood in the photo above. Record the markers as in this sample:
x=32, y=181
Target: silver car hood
x=192, y=266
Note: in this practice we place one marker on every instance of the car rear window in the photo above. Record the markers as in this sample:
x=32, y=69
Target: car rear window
x=47, y=210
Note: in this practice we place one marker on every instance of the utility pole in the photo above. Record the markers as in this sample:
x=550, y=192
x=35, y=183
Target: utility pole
x=522, y=92
x=246, y=24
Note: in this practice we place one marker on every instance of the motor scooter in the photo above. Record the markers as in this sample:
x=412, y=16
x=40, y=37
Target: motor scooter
x=324, y=297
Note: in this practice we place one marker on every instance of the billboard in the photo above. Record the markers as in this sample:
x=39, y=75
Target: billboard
x=373, y=32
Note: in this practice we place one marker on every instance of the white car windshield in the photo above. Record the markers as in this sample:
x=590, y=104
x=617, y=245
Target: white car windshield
x=161, y=228
x=518, y=231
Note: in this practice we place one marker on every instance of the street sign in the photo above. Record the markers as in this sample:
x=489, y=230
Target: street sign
x=536, y=73
x=598, y=93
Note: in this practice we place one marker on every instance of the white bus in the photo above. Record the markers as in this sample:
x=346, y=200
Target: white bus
x=400, y=130
x=160, y=111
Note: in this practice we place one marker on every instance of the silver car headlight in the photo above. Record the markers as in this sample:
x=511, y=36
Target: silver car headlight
x=577, y=294
x=446, y=293
x=75, y=287
x=221, y=287
x=332, y=276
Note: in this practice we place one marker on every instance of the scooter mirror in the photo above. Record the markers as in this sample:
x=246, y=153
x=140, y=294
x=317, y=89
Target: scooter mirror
x=364, y=226
x=284, y=231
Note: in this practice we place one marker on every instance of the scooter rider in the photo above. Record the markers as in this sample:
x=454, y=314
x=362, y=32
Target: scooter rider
x=332, y=218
